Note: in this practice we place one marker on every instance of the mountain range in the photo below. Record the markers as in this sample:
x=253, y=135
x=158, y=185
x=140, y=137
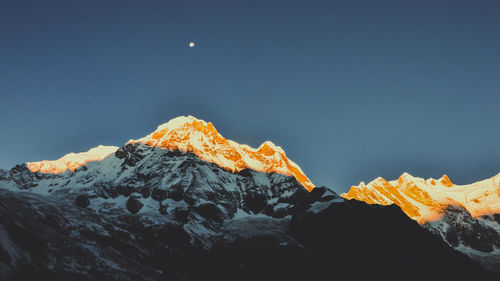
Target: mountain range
x=467, y=217
x=185, y=203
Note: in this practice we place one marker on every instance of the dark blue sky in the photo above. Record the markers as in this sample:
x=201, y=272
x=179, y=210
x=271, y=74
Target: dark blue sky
x=351, y=90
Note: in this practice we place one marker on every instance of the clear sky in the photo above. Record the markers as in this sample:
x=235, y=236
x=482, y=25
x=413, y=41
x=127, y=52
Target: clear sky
x=351, y=90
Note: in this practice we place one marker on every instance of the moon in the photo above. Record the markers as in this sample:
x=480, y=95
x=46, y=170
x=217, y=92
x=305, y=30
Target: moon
x=191, y=44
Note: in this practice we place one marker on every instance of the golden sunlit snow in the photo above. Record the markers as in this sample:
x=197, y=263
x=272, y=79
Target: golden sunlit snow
x=424, y=200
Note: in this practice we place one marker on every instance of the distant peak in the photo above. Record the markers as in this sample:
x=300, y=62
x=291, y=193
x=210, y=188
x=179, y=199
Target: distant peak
x=182, y=127
x=377, y=180
x=406, y=176
x=380, y=181
x=268, y=144
x=179, y=122
x=445, y=180
x=269, y=148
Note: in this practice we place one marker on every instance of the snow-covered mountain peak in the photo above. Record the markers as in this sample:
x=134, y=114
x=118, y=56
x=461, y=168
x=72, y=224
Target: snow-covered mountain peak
x=186, y=124
x=72, y=160
x=270, y=148
x=409, y=178
x=379, y=179
x=190, y=134
x=406, y=176
x=187, y=134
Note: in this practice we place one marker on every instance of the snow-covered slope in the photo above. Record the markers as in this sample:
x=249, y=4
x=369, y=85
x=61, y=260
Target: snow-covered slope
x=467, y=217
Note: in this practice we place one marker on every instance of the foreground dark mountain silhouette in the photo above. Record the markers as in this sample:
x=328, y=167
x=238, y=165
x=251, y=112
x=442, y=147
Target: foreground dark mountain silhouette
x=158, y=211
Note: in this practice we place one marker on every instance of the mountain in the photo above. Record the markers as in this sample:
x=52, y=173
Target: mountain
x=184, y=163
x=184, y=203
x=467, y=217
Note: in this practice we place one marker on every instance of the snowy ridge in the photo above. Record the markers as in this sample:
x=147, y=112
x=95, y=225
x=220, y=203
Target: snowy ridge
x=71, y=161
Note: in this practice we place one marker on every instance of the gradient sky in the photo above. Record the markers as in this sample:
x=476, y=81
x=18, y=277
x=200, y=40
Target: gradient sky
x=351, y=90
